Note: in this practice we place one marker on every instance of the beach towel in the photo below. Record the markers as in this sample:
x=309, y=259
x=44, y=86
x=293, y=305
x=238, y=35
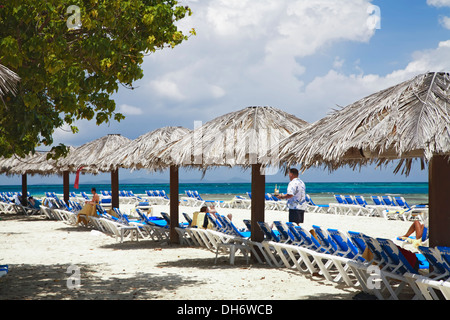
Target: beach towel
x=88, y=210
x=367, y=254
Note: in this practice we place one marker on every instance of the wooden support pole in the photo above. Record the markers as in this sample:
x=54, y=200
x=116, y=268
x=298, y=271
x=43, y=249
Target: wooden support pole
x=115, y=188
x=66, y=186
x=174, y=209
x=257, y=202
x=24, y=199
x=439, y=194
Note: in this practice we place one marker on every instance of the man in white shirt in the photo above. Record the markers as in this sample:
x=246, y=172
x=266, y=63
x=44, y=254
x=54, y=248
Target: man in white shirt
x=296, y=197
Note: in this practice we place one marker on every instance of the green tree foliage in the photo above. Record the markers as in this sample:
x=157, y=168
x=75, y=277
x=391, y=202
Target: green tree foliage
x=71, y=61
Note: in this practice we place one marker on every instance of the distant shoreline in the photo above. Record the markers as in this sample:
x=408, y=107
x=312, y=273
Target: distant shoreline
x=320, y=192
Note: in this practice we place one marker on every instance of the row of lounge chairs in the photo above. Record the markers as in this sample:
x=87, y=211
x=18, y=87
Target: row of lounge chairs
x=377, y=266
x=112, y=222
x=383, y=206
x=8, y=204
x=331, y=254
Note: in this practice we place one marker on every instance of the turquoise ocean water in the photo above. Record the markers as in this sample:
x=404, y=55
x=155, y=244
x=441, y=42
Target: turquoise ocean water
x=320, y=192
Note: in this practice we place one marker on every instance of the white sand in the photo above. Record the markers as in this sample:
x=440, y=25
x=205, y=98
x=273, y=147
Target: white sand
x=39, y=251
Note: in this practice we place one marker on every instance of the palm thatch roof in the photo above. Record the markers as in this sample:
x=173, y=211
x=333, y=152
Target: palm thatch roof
x=92, y=153
x=8, y=164
x=8, y=81
x=240, y=138
x=38, y=164
x=141, y=152
x=407, y=121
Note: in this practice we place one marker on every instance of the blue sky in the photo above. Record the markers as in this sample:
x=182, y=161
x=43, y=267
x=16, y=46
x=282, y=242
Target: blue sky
x=302, y=56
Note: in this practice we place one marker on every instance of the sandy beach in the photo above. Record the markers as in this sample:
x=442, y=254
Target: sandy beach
x=39, y=253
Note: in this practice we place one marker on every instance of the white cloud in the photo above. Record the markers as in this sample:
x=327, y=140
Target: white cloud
x=128, y=110
x=338, y=89
x=445, y=22
x=439, y=3
x=247, y=52
x=167, y=89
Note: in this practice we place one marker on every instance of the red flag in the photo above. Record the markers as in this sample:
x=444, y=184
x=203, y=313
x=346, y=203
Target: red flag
x=77, y=178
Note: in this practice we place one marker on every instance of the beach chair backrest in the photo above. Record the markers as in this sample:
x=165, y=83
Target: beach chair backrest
x=234, y=229
x=213, y=221
x=268, y=232
x=349, y=199
x=309, y=200
x=166, y=217
x=395, y=256
x=340, y=199
x=360, y=201
x=188, y=218
x=310, y=239
x=379, y=255
x=377, y=200
x=433, y=256
x=303, y=236
x=284, y=231
x=324, y=238
x=387, y=200
x=445, y=253
x=248, y=224
x=358, y=241
x=164, y=194
x=343, y=243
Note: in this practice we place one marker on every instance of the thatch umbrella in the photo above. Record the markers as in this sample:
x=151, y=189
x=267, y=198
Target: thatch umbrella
x=91, y=155
x=38, y=164
x=8, y=166
x=240, y=138
x=408, y=121
x=8, y=81
x=142, y=153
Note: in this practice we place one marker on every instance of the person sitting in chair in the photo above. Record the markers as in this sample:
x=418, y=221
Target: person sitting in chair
x=89, y=209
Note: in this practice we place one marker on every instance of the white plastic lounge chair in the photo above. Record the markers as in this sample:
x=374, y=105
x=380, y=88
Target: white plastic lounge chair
x=319, y=208
x=431, y=288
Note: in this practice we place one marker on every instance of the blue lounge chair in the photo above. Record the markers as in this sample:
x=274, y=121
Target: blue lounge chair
x=3, y=270
x=285, y=235
x=84, y=195
x=340, y=199
x=248, y=224
x=235, y=230
x=377, y=200
x=153, y=221
x=445, y=253
x=345, y=247
x=270, y=235
x=401, y=202
x=188, y=218
x=396, y=260
x=308, y=241
x=167, y=218
x=358, y=242
x=321, y=208
x=349, y=199
x=387, y=200
x=325, y=239
x=441, y=269
x=379, y=256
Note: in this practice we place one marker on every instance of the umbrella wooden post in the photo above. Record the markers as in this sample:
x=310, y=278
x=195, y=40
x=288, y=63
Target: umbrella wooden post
x=174, y=209
x=439, y=195
x=257, y=202
x=115, y=188
x=24, y=190
x=66, y=187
